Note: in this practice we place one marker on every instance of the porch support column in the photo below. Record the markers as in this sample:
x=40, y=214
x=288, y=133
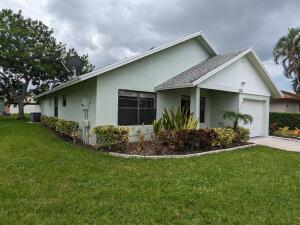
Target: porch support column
x=197, y=106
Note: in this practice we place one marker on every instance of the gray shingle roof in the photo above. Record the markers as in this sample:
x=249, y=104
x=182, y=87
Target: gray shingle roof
x=187, y=77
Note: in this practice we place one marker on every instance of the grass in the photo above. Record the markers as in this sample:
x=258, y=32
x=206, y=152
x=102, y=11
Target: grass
x=44, y=180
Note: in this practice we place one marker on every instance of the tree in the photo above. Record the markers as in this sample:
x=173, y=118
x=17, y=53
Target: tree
x=30, y=58
x=236, y=117
x=287, y=53
x=294, y=85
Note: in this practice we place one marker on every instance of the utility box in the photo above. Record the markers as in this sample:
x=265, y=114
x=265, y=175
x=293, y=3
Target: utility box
x=87, y=123
x=35, y=117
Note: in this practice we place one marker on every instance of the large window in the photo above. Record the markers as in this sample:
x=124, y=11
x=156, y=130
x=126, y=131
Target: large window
x=202, y=110
x=136, y=108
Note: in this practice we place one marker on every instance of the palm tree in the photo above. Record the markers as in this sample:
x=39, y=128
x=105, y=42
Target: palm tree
x=295, y=84
x=236, y=117
x=287, y=53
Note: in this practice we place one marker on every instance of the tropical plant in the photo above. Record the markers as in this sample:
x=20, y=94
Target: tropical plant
x=186, y=140
x=175, y=119
x=241, y=135
x=156, y=126
x=287, y=53
x=225, y=137
x=236, y=117
x=30, y=58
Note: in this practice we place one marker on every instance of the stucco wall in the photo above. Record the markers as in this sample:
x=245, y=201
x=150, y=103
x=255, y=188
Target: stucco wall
x=74, y=97
x=171, y=98
x=220, y=102
x=144, y=75
x=231, y=78
x=290, y=107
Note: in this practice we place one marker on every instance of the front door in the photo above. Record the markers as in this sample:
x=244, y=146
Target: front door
x=56, y=106
x=185, y=104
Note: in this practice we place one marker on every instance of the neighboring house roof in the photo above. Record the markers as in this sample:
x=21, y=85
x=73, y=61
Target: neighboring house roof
x=202, y=71
x=288, y=96
x=188, y=77
x=199, y=36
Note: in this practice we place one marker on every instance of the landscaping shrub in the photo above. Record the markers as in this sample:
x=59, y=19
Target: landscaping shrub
x=111, y=138
x=67, y=128
x=286, y=132
x=201, y=139
x=224, y=138
x=49, y=122
x=241, y=135
x=186, y=140
x=165, y=141
x=273, y=128
x=62, y=127
x=291, y=120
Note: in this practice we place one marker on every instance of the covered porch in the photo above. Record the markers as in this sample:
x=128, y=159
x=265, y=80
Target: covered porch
x=207, y=105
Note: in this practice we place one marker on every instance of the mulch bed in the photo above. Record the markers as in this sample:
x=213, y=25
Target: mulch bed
x=150, y=149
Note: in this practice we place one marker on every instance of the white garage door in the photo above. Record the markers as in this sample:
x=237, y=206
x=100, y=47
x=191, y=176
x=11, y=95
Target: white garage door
x=256, y=110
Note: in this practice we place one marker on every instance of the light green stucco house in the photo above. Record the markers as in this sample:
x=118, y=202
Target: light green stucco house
x=185, y=73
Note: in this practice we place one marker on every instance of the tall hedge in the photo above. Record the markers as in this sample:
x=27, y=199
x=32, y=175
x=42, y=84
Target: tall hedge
x=291, y=120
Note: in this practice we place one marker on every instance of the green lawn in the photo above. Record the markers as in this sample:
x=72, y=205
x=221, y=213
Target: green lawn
x=44, y=180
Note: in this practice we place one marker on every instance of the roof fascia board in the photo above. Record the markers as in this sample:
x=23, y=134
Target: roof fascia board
x=276, y=88
x=210, y=45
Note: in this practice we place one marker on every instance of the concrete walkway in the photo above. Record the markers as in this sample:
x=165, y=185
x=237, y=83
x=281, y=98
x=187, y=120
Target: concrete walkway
x=281, y=143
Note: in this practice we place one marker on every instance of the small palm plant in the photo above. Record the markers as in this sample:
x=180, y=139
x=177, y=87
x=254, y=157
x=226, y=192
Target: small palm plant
x=236, y=117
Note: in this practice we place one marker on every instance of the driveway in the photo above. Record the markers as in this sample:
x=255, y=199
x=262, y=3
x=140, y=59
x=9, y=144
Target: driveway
x=281, y=143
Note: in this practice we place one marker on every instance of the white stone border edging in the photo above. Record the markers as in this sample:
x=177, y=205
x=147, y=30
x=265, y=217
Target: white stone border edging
x=180, y=156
